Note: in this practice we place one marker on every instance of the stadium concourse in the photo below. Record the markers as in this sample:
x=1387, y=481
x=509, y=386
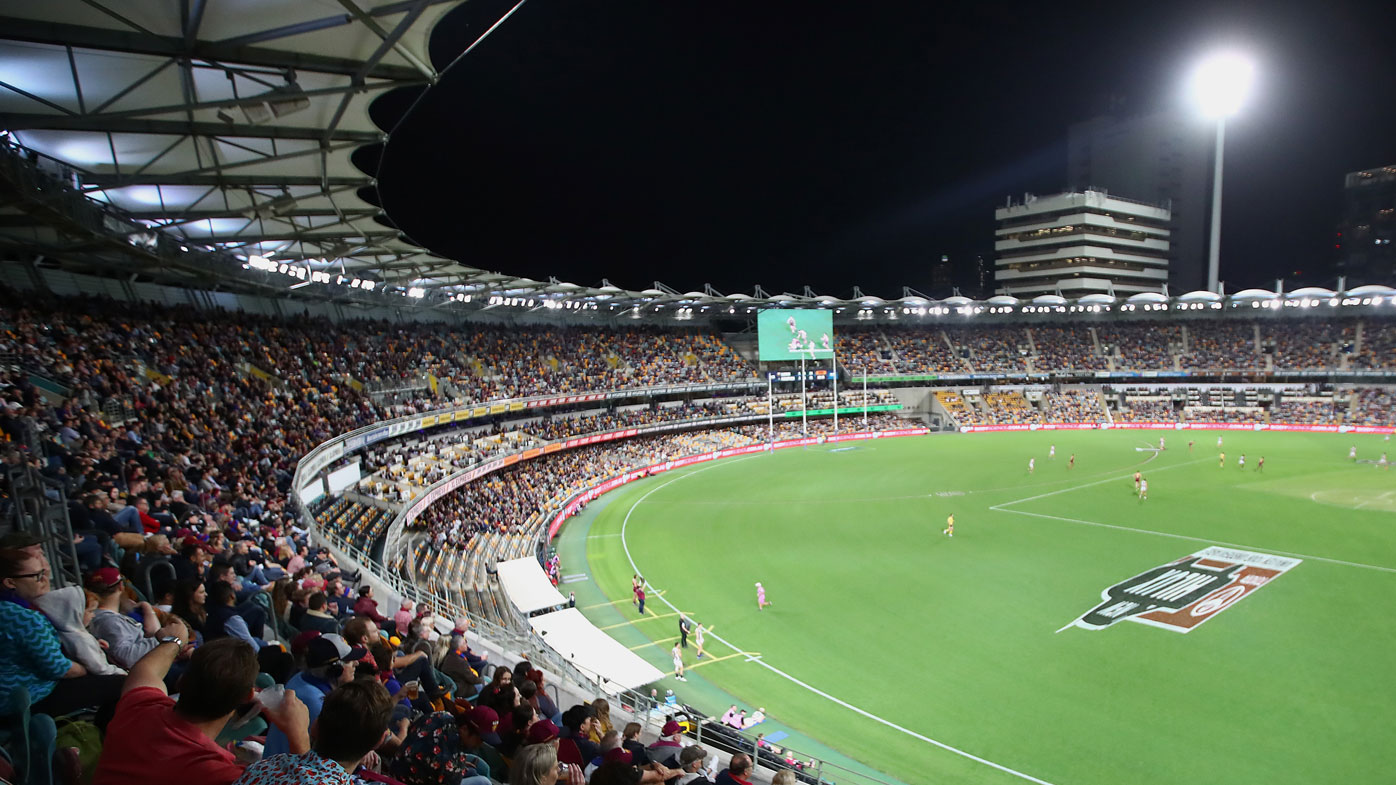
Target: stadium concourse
x=252, y=505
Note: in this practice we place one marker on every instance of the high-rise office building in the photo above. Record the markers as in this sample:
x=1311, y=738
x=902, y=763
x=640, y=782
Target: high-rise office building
x=1080, y=243
x=1366, y=253
x=1162, y=158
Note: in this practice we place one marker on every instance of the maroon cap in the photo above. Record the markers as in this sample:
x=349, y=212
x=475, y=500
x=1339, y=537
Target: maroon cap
x=670, y=728
x=619, y=754
x=300, y=642
x=104, y=579
x=541, y=731
x=485, y=718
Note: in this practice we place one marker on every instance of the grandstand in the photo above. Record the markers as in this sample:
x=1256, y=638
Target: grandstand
x=241, y=406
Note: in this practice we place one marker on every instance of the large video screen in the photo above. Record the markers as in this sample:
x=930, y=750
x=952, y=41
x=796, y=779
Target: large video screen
x=784, y=334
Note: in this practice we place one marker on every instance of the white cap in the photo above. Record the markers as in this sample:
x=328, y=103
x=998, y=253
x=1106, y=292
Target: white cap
x=758, y=583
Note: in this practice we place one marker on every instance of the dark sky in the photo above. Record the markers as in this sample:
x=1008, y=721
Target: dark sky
x=831, y=144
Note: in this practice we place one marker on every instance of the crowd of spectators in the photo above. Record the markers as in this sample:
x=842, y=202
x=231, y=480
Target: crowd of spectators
x=1138, y=346
x=1072, y=406
x=1221, y=345
x=1371, y=406
x=1306, y=411
x=1307, y=344
x=1378, y=346
x=993, y=348
x=1066, y=348
x=1148, y=410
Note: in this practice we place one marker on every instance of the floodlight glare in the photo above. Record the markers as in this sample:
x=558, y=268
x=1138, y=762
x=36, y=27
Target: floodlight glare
x=1221, y=83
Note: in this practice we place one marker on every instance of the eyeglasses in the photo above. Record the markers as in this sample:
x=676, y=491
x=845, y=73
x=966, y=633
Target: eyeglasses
x=41, y=575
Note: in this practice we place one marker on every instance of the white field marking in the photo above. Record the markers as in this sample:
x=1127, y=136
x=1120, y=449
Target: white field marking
x=864, y=500
x=795, y=680
x=1172, y=535
x=1116, y=478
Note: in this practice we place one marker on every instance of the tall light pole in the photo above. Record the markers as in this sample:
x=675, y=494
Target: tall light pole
x=1220, y=85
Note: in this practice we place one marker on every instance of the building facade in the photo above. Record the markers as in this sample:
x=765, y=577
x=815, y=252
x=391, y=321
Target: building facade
x=1079, y=243
x=1160, y=158
x=1366, y=252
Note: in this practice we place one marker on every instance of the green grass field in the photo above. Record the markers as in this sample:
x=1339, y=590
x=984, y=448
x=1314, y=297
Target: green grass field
x=884, y=634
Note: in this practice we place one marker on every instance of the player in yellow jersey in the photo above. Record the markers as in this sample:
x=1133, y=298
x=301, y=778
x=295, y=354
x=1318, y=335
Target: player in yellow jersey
x=1221, y=460
x=949, y=525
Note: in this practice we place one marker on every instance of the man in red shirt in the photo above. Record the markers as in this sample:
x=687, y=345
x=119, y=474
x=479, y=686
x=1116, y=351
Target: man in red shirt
x=155, y=741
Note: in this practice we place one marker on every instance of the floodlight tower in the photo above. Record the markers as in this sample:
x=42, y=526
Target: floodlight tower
x=1220, y=84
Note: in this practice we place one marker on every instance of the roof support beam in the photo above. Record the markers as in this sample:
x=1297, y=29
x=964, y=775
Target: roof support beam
x=294, y=236
x=139, y=125
x=133, y=42
x=391, y=39
x=225, y=181
x=312, y=25
x=296, y=212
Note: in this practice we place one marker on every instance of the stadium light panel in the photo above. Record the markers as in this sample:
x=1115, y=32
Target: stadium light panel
x=1221, y=84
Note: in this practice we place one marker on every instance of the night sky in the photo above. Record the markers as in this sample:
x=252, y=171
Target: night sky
x=838, y=144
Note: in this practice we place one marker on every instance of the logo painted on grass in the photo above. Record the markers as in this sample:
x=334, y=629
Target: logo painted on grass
x=1183, y=594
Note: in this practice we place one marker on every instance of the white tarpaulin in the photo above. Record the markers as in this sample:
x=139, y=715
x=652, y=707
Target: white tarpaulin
x=527, y=586
x=594, y=652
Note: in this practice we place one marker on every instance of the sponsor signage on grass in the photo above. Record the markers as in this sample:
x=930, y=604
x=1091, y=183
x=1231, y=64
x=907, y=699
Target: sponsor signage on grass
x=1182, y=594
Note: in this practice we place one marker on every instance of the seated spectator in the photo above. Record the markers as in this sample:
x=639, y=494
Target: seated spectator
x=223, y=619
x=575, y=744
x=630, y=740
x=691, y=764
x=454, y=665
x=353, y=723
x=158, y=741
x=472, y=727
x=247, y=608
x=188, y=603
x=127, y=640
x=666, y=748
x=367, y=607
x=538, y=764
x=738, y=771
x=403, y=617
x=315, y=617
x=70, y=610
x=31, y=654
x=433, y=755
x=329, y=662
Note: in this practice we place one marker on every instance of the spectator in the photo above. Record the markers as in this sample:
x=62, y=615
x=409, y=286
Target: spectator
x=575, y=745
x=537, y=764
x=403, y=617
x=433, y=755
x=315, y=617
x=158, y=741
x=70, y=610
x=354, y=722
x=31, y=654
x=329, y=662
x=223, y=619
x=368, y=607
x=188, y=604
x=738, y=771
x=691, y=764
x=630, y=741
x=473, y=743
x=127, y=640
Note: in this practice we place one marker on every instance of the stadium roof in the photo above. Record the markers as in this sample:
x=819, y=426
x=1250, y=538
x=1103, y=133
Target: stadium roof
x=233, y=145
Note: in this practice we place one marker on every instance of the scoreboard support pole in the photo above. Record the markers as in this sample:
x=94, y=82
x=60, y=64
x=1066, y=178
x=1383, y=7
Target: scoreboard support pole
x=834, y=363
x=770, y=411
x=804, y=401
x=865, y=399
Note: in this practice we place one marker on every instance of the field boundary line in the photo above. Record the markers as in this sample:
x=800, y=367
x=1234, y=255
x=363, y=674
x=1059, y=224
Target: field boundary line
x=907, y=731
x=1191, y=538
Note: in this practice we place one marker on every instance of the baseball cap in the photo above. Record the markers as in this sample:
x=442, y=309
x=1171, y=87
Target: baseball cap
x=541, y=731
x=301, y=642
x=670, y=728
x=484, y=718
x=325, y=650
x=622, y=755
x=104, y=579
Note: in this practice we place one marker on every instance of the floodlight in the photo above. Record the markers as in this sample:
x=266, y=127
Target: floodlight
x=1221, y=83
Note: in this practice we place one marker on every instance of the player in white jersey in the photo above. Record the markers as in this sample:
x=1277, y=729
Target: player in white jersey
x=1052, y=452
x=1241, y=462
x=1352, y=453
x=1143, y=490
x=698, y=639
x=1382, y=464
x=1160, y=443
x=677, y=654
x=1032, y=463
x=1219, y=442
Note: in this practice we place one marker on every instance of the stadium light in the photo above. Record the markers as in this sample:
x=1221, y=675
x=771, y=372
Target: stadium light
x=1220, y=85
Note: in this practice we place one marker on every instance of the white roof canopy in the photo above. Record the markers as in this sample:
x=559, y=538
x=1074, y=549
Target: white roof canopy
x=594, y=652
x=527, y=586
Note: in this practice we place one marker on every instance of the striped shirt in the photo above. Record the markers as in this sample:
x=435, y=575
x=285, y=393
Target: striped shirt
x=30, y=653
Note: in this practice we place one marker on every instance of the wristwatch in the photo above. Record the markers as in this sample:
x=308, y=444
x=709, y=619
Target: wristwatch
x=175, y=639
